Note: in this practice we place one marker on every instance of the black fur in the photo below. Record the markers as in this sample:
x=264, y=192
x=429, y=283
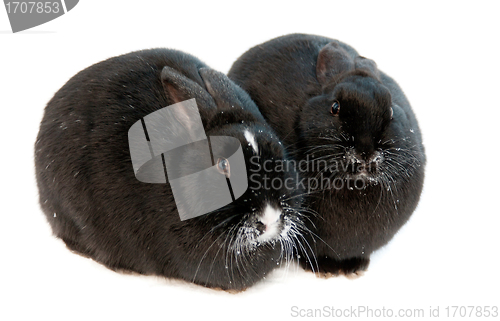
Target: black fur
x=295, y=80
x=93, y=201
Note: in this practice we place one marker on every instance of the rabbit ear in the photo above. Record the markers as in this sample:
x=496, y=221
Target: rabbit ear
x=180, y=88
x=221, y=88
x=184, y=113
x=229, y=96
x=332, y=60
x=367, y=65
x=225, y=92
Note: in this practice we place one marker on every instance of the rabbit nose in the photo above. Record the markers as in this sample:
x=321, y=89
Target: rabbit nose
x=269, y=217
x=261, y=227
x=367, y=162
x=376, y=158
x=268, y=223
x=374, y=161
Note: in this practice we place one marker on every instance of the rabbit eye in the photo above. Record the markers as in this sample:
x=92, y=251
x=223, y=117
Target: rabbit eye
x=223, y=166
x=392, y=112
x=335, y=108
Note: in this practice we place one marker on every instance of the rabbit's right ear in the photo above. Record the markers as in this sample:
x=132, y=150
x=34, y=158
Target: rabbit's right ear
x=180, y=88
x=332, y=60
x=367, y=65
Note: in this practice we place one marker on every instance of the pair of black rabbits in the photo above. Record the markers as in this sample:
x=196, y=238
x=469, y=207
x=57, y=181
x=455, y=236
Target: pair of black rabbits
x=298, y=99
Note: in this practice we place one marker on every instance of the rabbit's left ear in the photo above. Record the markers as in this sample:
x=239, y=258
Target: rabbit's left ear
x=332, y=60
x=219, y=86
x=367, y=65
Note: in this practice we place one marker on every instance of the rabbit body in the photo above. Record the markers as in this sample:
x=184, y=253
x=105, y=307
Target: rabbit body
x=328, y=104
x=95, y=204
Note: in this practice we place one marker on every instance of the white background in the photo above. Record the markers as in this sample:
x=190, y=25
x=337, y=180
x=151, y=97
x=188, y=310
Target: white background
x=444, y=55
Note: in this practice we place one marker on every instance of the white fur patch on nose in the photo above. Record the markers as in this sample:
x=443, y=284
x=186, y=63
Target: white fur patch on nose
x=270, y=217
x=251, y=139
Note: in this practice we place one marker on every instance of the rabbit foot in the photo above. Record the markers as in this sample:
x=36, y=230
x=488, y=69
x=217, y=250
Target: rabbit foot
x=325, y=267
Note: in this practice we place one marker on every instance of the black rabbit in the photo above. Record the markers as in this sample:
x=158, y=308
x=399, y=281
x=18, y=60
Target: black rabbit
x=354, y=127
x=94, y=202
